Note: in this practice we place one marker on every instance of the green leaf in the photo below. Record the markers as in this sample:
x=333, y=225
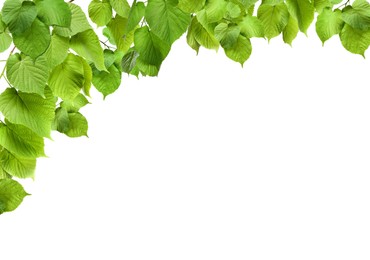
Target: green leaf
x=67, y=79
x=87, y=76
x=78, y=125
x=76, y=104
x=274, y=18
x=202, y=35
x=35, y=40
x=248, y=3
x=355, y=40
x=107, y=82
x=17, y=166
x=19, y=15
x=79, y=22
x=121, y=7
x=152, y=51
x=5, y=41
x=290, y=31
x=215, y=10
x=72, y=124
x=303, y=11
x=61, y=120
x=54, y=12
x=251, y=27
x=109, y=58
x=11, y=195
x=26, y=74
x=233, y=11
x=136, y=14
x=57, y=51
x=117, y=29
x=241, y=51
x=166, y=20
x=3, y=26
x=191, y=6
x=4, y=174
x=190, y=37
x=328, y=24
x=29, y=110
x=87, y=45
x=21, y=141
x=320, y=5
x=100, y=12
x=357, y=15
x=129, y=61
x=227, y=35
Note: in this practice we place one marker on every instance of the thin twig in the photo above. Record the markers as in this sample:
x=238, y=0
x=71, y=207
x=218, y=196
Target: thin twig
x=106, y=45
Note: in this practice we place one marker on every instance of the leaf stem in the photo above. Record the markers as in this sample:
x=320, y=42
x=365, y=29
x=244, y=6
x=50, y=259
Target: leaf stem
x=106, y=45
x=345, y=4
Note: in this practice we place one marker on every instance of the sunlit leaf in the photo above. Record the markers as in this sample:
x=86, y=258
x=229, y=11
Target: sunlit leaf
x=11, y=195
x=166, y=20
x=67, y=79
x=21, y=141
x=329, y=23
x=87, y=45
x=274, y=18
x=17, y=166
x=54, y=12
x=26, y=74
x=100, y=12
x=30, y=110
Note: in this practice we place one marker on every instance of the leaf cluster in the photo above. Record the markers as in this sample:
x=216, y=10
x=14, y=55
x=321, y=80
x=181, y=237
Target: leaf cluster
x=56, y=56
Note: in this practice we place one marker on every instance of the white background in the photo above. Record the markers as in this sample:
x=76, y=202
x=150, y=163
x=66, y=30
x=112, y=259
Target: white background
x=210, y=161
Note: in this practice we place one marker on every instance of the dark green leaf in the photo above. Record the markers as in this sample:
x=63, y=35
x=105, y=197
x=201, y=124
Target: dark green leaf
x=19, y=15
x=35, y=40
x=129, y=61
x=152, y=51
x=357, y=15
x=227, y=35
